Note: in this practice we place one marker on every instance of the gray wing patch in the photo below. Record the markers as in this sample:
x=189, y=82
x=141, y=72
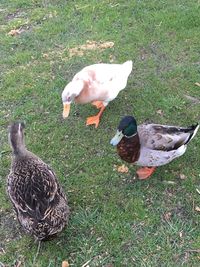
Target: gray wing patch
x=162, y=137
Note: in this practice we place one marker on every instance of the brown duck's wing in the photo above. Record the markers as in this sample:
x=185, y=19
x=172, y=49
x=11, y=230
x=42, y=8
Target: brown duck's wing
x=164, y=137
x=33, y=192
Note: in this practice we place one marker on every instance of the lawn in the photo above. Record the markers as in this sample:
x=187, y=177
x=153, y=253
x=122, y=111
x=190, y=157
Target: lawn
x=116, y=220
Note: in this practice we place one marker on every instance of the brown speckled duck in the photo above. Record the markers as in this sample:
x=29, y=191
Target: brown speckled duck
x=151, y=145
x=34, y=190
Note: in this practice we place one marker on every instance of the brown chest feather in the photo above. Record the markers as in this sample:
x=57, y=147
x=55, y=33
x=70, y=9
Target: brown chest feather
x=129, y=149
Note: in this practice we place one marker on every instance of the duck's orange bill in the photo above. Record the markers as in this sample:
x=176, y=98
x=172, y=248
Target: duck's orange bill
x=66, y=110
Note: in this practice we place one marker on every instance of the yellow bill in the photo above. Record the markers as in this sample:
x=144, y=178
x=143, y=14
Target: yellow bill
x=66, y=110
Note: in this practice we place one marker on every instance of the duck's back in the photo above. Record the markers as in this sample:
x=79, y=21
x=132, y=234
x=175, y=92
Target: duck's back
x=38, y=199
x=103, y=73
x=160, y=144
x=102, y=81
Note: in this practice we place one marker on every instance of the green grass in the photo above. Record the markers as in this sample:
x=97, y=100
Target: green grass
x=115, y=220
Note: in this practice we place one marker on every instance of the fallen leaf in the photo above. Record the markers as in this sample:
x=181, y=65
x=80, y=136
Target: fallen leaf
x=14, y=32
x=198, y=191
x=158, y=248
x=169, y=182
x=86, y=264
x=123, y=169
x=65, y=264
x=114, y=5
x=197, y=84
x=197, y=208
x=194, y=250
x=167, y=216
x=160, y=112
x=18, y=264
x=2, y=251
x=111, y=58
x=182, y=176
x=81, y=7
x=45, y=55
x=194, y=100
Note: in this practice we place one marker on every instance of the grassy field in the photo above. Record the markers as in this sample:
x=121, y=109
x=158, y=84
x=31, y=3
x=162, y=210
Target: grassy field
x=116, y=220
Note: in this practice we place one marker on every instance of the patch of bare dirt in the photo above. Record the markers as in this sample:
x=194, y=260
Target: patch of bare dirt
x=154, y=51
x=17, y=14
x=15, y=32
x=193, y=100
x=60, y=51
x=178, y=211
x=197, y=84
x=89, y=46
x=144, y=55
x=20, y=30
x=9, y=229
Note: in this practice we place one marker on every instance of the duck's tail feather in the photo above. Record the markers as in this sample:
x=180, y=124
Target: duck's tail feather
x=192, y=130
x=128, y=65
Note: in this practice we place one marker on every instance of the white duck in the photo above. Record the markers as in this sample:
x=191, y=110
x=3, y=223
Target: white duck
x=97, y=84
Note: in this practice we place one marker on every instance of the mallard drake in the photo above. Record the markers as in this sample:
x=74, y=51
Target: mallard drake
x=151, y=145
x=97, y=84
x=38, y=199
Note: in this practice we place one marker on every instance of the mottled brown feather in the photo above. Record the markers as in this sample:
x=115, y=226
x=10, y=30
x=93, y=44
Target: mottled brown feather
x=163, y=137
x=37, y=197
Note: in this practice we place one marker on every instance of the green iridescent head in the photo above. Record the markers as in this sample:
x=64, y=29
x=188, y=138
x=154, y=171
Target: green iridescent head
x=127, y=127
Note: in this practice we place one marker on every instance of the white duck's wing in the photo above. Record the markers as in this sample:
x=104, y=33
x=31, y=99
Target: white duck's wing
x=164, y=137
x=102, y=82
x=106, y=73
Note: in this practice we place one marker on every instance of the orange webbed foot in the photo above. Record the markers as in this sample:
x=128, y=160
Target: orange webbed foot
x=97, y=104
x=93, y=120
x=145, y=172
